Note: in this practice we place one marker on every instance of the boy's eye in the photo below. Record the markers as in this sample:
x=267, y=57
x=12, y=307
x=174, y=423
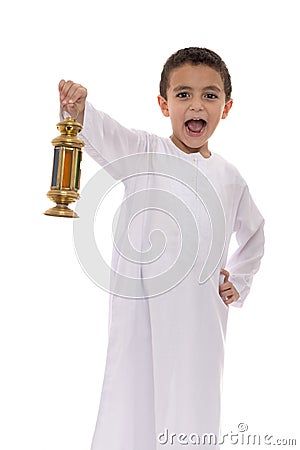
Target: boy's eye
x=210, y=96
x=183, y=95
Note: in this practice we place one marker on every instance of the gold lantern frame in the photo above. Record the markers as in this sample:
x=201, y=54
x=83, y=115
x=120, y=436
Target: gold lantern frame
x=66, y=171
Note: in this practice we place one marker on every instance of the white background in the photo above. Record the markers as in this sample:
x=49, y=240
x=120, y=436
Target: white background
x=53, y=319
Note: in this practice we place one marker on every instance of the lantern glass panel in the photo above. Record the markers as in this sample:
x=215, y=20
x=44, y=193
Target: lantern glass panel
x=55, y=166
x=66, y=179
x=78, y=170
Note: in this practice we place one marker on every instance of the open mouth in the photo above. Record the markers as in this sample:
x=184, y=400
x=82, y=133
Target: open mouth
x=195, y=127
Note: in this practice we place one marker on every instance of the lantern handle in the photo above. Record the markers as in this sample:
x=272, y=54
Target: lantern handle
x=70, y=104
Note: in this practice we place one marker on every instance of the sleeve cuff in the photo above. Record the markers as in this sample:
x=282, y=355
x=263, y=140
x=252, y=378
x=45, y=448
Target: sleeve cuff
x=242, y=285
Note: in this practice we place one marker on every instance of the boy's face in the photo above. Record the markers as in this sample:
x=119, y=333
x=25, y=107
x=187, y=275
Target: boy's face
x=195, y=104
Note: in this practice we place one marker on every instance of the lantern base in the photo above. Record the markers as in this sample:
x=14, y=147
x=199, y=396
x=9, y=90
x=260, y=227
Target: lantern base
x=61, y=211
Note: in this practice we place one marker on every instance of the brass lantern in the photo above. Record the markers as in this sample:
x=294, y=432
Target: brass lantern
x=65, y=181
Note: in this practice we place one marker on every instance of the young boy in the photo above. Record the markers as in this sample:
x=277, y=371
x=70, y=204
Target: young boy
x=162, y=383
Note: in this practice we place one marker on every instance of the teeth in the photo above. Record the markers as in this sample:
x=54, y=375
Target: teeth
x=196, y=119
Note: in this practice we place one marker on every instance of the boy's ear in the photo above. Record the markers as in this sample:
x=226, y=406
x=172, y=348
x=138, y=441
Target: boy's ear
x=163, y=104
x=227, y=108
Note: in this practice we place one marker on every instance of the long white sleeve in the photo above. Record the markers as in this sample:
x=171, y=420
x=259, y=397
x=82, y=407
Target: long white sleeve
x=245, y=261
x=106, y=140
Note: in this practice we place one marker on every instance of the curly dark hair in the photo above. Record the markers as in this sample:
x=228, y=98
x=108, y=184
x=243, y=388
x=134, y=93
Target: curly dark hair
x=195, y=56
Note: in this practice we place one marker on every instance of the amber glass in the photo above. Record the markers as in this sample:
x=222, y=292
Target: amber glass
x=66, y=178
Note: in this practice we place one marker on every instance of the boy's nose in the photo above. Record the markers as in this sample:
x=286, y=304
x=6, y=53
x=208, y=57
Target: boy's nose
x=196, y=105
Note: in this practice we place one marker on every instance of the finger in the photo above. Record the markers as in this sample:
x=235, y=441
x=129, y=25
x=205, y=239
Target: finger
x=65, y=87
x=232, y=299
x=72, y=91
x=226, y=273
x=226, y=285
x=228, y=293
x=61, y=85
x=76, y=93
x=229, y=301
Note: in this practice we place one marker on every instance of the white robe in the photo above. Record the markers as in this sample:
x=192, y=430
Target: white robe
x=163, y=376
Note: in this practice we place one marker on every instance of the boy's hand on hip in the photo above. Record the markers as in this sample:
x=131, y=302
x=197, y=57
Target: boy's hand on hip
x=227, y=290
x=71, y=93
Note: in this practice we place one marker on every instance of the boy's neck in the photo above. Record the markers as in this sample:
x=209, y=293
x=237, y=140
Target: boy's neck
x=202, y=150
